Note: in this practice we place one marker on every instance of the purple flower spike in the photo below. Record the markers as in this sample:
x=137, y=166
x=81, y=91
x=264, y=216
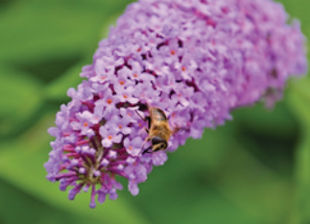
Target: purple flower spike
x=195, y=60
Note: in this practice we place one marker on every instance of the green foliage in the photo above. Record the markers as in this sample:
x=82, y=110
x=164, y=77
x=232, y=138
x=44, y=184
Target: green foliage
x=300, y=104
x=255, y=169
x=20, y=100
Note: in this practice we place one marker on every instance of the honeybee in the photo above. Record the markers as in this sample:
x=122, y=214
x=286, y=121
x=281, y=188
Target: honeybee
x=159, y=131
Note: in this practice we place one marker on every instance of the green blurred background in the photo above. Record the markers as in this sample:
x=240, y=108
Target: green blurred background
x=255, y=169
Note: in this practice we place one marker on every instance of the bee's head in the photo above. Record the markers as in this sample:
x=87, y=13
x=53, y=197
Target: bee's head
x=158, y=143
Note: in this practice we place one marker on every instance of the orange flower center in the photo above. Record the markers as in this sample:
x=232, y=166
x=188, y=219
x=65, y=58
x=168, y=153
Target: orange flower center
x=110, y=137
x=109, y=101
x=120, y=126
x=85, y=124
x=183, y=68
x=172, y=52
x=125, y=96
x=135, y=75
x=103, y=77
x=122, y=82
x=130, y=147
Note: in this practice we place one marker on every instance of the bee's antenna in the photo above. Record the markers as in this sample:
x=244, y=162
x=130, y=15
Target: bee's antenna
x=140, y=115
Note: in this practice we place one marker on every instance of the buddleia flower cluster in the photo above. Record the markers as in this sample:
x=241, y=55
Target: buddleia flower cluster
x=196, y=60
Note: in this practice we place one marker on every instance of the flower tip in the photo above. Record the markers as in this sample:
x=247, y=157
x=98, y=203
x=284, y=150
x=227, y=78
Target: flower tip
x=92, y=204
x=71, y=197
x=51, y=178
x=133, y=188
x=101, y=198
x=74, y=191
x=113, y=196
x=53, y=131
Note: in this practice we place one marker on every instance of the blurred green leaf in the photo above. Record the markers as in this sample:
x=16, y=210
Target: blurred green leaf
x=57, y=89
x=276, y=122
x=33, y=210
x=20, y=100
x=300, y=100
x=21, y=163
x=48, y=70
x=51, y=29
x=300, y=104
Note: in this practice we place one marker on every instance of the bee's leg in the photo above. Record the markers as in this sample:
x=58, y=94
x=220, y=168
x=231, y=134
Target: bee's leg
x=177, y=129
x=145, y=141
x=148, y=119
x=147, y=150
x=149, y=123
